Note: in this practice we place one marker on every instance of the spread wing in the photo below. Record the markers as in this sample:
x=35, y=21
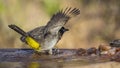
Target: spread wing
x=59, y=19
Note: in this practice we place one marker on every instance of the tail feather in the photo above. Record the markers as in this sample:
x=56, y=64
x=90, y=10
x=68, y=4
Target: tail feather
x=17, y=29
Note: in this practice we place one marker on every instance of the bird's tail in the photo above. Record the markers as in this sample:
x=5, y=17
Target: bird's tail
x=29, y=40
x=18, y=30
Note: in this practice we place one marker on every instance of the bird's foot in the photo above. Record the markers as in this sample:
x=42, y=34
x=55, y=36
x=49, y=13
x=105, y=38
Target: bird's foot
x=54, y=51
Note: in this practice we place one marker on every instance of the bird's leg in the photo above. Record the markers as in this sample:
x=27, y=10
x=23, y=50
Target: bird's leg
x=53, y=51
x=48, y=52
x=56, y=51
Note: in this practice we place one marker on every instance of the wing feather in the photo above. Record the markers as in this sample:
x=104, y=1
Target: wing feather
x=59, y=19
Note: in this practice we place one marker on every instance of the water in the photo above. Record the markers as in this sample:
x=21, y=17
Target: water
x=43, y=64
x=25, y=58
x=52, y=64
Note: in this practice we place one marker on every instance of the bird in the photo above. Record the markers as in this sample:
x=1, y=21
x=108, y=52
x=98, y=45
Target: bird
x=46, y=37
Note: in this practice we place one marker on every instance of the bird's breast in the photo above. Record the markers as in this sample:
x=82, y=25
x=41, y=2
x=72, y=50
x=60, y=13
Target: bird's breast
x=50, y=43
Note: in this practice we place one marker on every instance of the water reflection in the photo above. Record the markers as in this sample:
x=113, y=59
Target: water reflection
x=56, y=64
x=44, y=64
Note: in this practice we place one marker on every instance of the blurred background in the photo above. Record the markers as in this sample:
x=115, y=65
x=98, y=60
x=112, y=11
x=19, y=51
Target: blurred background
x=97, y=24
